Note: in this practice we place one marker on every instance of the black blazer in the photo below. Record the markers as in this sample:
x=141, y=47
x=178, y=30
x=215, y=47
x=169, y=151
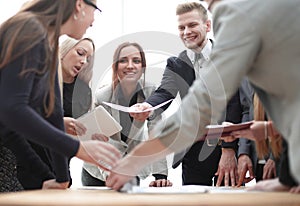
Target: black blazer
x=178, y=76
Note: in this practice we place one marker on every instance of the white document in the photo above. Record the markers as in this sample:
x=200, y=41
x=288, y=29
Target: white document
x=132, y=110
x=98, y=121
x=185, y=189
x=169, y=190
x=91, y=188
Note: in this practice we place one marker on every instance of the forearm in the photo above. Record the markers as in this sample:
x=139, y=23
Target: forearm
x=147, y=153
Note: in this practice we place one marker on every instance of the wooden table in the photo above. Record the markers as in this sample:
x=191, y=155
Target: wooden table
x=108, y=197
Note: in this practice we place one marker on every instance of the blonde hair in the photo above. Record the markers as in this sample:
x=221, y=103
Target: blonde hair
x=87, y=72
x=190, y=6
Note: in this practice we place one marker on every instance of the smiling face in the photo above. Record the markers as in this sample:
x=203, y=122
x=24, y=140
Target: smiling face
x=130, y=67
x=77, y=58
x=193, y=29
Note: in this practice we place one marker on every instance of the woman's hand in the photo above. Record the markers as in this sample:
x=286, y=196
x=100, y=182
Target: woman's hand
x=100, y=137
x=99, y=153
x=74, y=127
x=52, y=184
x=256, y=132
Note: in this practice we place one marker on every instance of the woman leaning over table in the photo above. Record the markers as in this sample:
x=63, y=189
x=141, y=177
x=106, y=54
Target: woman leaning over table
x=127, y=88
x=75, y=59
x=28, y=84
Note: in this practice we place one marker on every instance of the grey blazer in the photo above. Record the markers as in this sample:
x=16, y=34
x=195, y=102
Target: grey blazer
x=258, y=39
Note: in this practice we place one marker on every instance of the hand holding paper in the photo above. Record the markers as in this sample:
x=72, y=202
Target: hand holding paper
x=132, y=109
x=99, y=121
x=221, y=131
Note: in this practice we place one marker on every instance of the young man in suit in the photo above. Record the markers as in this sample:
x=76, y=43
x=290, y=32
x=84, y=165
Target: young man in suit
x=203, y=159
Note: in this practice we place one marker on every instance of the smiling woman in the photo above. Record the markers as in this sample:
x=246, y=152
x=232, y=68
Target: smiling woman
x=127, y=88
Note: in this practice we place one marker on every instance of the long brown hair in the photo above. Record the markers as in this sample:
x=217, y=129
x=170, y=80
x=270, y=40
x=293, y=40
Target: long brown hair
x=116, y=59
x=31, y=26
x=262, y=147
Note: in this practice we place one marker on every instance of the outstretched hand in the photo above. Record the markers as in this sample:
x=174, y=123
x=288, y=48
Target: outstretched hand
x=99, y=153
x=141, y=116
x=121, y=174
x=256, y=132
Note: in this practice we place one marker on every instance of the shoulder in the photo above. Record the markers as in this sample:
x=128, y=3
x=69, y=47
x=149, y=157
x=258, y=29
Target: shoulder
x=150, y=85
x=182, y=59
x=148, y=89
x=24, y=36
x=104, y=93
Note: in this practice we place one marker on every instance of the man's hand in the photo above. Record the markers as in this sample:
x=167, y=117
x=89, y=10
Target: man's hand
x=269, y=170
x=244, y=165
x=161, y=183
x=141, y=116
x=227, y=168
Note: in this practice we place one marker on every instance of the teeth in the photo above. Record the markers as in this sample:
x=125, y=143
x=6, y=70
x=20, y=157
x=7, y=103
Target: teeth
x=129, y=73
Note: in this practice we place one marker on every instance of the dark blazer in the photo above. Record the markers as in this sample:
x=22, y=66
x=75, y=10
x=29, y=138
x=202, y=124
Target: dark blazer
x=197, y=168
x=178, y=76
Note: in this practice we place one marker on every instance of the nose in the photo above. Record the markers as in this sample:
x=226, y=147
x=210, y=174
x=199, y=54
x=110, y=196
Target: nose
x=186, y=30
x=130, y=64
x=83, y=60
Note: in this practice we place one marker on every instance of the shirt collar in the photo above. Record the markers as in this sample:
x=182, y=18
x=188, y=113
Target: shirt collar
x=205, y=52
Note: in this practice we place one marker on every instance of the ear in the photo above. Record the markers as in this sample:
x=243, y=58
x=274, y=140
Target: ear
x=208, y=25
x=79, y=5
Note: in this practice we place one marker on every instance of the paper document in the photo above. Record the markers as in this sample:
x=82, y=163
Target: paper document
x=132, y=110
x=169, y=190
x=91, y=188
x=185, y=189
x=98, y=121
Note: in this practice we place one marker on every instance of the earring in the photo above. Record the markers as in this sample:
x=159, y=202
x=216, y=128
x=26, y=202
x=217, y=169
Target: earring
x=75, y=17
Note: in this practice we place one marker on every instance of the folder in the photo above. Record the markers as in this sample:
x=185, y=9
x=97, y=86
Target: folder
x=217, y=131
x=98, y=121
